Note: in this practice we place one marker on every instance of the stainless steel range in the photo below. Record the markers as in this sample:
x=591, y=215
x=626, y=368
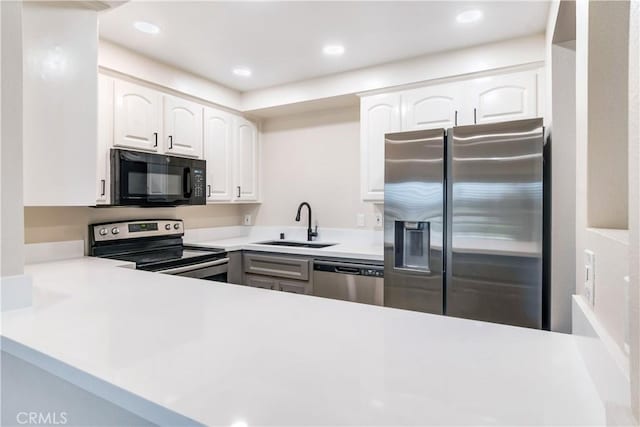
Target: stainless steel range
x=157, y=245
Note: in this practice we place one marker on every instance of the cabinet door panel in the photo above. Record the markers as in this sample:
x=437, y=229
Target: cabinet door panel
x=218, y=131
x=246, y=142
x=137, y=116
x=430, y=107
x=380, y=114
x=183, y=127
x=263, y=282
x=105, y=138
x=295, y=287
x=505, y=97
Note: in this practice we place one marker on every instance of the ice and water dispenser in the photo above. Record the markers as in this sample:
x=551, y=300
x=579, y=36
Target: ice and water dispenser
x=412, y=245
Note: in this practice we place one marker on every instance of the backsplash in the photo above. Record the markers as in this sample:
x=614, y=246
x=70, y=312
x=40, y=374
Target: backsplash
x=55, y=224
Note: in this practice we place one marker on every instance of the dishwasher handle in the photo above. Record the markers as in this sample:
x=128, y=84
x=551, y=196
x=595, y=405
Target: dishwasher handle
x=346, y=269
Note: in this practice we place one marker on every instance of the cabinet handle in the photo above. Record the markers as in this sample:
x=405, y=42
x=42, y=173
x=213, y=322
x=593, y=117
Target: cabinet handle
x=475, y=120
x=238, y=191
x=455, y=120
x=155, y=135
x=103, y=183
x=209, y=187
x=170, y=142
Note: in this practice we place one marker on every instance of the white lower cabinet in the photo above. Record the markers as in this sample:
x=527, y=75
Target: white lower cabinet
x=182, y=127
x=488, y=99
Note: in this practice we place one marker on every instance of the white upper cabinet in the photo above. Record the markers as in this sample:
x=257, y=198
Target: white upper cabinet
x=246, y=164
x=105, y=137
x=431, y=107
x=379, y=114
x=137, y=116
x=503, y=97
x=182, y=127
x=496, y=98
x=218, y=152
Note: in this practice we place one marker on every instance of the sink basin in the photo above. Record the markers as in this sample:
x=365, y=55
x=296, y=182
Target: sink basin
x=296, y=244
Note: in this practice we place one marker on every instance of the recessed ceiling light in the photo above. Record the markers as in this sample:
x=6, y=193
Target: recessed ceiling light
x=333, y=49
x=469, y=16
x=242, y=71
x=146, y=27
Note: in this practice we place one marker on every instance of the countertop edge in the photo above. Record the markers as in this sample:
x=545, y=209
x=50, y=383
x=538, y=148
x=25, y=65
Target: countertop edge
x=118, y=396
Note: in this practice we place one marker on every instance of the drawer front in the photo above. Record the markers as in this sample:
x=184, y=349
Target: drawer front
x=263, y=282
x=277, y=266
x=294, y=286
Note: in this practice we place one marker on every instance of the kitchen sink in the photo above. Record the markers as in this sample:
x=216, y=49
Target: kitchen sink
x=296, y=244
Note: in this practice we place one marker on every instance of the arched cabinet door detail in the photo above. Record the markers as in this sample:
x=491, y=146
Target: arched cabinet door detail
x=504, y=98
x=137, y=114
x=431, y=107
x=379, y=114
x=218, y=152
x=183, y=127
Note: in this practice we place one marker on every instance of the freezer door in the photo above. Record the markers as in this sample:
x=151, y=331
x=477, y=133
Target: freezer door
x=413, y=220
x=494, y=265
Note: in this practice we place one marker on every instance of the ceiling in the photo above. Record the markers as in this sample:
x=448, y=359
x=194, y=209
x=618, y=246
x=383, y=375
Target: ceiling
x=281, y=42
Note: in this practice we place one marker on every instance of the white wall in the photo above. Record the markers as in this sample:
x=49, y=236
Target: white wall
x=313, y=157
x=119, y=59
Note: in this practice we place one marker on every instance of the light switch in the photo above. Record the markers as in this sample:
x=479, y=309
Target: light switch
x=590, y=276
x=247, y=219
x=360, y=220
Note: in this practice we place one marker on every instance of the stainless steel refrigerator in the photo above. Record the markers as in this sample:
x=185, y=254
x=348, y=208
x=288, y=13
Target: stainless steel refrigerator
x=464, y=222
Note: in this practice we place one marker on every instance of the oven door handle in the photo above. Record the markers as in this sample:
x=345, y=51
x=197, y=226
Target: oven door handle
x=188, y=186
x=192, y=267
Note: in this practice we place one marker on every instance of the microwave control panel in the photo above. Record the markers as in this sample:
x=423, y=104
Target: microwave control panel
x=198, y=183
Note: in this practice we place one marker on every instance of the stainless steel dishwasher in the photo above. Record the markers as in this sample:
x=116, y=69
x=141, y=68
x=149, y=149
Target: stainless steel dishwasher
x=349, y=281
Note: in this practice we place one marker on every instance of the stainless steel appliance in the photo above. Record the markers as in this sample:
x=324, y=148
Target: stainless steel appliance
x=464, y=222
x=349, y=280
x=156, y=245
x=145, y=179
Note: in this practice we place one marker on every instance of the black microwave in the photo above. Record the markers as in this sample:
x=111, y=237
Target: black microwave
x=145, y=179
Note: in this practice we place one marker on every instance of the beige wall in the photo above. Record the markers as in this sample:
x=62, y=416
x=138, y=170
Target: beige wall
x=52, y=224
x=313, y=157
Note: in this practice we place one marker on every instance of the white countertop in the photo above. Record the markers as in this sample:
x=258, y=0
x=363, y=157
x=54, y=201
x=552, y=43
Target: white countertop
x=219, y=354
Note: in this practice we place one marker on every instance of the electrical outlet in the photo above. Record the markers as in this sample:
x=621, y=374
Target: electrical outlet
x=360, y=220
x=379, y=220
x=247, y=219
x=590, y=276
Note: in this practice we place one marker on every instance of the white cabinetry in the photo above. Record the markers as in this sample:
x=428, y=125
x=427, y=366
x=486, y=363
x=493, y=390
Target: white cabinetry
x=246, y=160
x=503, y=98
x=137, y=116
x=431, y=107
x=105, y=137
x=379, y=114
x=218, y=152
x=487, y=99
x=182, y=127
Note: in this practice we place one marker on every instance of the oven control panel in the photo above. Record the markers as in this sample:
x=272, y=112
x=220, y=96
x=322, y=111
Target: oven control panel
x=136, y=229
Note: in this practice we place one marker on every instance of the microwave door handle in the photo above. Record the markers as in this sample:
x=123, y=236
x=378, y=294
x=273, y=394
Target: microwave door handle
x=188, y=185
